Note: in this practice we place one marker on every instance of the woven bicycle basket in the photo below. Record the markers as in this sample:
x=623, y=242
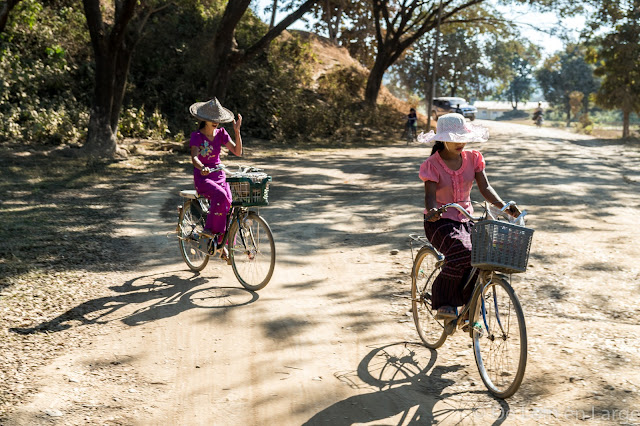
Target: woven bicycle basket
x=500, y=246
x=249, y=189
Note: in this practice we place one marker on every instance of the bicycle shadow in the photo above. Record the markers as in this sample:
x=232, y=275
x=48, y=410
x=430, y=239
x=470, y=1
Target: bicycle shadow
x=406, y=391
x=148, y=298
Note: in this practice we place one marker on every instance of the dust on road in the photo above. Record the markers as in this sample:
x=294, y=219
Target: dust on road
x=330, y=340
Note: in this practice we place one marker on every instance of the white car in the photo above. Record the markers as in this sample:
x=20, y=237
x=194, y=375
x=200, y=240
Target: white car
x=445, y=105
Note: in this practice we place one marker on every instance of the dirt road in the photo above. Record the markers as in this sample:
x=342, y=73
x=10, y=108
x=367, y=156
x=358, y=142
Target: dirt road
x=330, y=339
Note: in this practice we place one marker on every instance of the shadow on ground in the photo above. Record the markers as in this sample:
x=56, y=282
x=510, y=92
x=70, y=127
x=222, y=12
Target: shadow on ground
x=403, y=384
x=148, y=298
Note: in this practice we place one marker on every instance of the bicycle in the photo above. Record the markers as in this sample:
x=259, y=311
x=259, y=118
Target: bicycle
x=493, y=316
x=411, y=132
x=538, y=119
x=248, y=237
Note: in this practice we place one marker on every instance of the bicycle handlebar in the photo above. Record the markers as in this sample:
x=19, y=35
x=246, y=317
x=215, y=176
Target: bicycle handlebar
x=464, y=211
x=457, y=206
x=242, y=169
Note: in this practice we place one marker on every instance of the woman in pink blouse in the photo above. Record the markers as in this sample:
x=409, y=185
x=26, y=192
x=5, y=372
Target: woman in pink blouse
x=448, y=176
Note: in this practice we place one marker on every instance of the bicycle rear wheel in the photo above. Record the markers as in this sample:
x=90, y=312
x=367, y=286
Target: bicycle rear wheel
x=252, y=251
x=500, y=347
x=191, y=219
x=426, y=268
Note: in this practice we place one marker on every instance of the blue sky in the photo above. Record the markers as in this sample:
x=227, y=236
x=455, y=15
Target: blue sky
x=533, y=25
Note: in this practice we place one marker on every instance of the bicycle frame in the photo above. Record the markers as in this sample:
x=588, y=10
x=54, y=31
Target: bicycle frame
x=496, y=338
x=483, y=279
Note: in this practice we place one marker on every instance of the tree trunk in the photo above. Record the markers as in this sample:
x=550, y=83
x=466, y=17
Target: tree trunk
x=224, y=48
x=113, y=47
x=101, y=138
x=374, y=82
x=123, y=62
x=226, y=56
x=273, y=14
x=220, y=81
x=625, y=124
x=4, y=13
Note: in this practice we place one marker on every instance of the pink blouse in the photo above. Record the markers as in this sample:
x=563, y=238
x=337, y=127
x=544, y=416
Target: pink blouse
x=210, y=150
x=453, y=186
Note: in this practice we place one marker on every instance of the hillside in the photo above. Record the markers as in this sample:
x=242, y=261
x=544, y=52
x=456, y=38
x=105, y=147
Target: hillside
x=331, y=57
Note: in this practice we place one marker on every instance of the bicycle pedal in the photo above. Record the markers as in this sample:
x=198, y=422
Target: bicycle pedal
x=464, y=326
x=450, y=327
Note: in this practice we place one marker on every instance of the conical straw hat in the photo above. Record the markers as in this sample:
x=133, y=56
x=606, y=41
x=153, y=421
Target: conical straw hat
x=211, y=111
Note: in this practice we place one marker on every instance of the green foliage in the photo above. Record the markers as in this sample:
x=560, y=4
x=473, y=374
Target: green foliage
x=278, y=97
x=135, y=123
x=513, y=114
x=564, y=73
x=617, y=56
x=618, y=64
x=169, y=72
x=518, y=59
x=43, y=94
x=270, y=91
x=47, y=78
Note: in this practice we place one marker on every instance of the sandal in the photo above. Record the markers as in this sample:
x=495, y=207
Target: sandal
x=446, y=312
x=224, y=253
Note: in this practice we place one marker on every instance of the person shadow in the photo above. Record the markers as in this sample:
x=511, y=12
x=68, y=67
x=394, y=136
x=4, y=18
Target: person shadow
x=405, y=389
x=147, y=298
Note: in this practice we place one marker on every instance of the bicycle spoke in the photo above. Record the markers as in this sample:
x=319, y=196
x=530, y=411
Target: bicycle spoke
x=501, y=350
x=426, y=268
x=253, y=251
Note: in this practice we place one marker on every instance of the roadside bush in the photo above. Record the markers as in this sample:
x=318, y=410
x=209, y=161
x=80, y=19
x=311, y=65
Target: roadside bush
x=47, y=79
x=273, y=92
x=513, y=114
x=42, y=96
x=585, y=124
x=135, y=123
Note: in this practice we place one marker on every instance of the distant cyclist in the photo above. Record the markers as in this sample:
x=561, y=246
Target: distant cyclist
x=538, y=115
x=412, y=124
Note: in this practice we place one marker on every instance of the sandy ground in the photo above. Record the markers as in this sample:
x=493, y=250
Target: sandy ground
x=330, y=339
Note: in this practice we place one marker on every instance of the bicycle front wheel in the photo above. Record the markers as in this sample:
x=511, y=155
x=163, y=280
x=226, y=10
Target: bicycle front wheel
x=191, y=220
x=252, y=251
x=426, y=268
x=500, y=338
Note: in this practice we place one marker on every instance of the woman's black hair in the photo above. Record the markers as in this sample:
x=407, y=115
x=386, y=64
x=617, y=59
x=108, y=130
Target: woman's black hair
x=438, y=146
x=202, y=124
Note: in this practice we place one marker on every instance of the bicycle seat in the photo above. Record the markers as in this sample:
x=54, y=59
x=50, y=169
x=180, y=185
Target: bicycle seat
x=189, y=193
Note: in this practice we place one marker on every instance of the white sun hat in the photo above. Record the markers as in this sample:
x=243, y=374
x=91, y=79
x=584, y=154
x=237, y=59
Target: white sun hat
x=211, y=110
x=453, y=128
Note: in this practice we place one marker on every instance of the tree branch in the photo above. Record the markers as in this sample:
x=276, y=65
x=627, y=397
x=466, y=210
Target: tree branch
x=4, y=12
x=278, y=29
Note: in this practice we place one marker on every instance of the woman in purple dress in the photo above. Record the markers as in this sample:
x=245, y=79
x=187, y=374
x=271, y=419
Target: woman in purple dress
x=205, y=156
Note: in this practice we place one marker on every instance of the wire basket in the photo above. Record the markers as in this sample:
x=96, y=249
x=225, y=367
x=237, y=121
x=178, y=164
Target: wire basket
x=249, y=189
x=500, y=246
